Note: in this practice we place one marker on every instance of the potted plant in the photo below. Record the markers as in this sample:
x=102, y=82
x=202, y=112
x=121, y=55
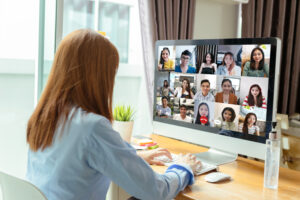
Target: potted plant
x=123, y=121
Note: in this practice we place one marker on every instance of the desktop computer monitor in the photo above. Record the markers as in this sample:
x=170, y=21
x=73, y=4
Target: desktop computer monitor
x=218, y=93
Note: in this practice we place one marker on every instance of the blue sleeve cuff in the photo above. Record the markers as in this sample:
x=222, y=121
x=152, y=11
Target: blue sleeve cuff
x=186, y=168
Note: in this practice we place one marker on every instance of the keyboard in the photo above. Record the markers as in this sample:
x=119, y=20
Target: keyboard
x=205, y=167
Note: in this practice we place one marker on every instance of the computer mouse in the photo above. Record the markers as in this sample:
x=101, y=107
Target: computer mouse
x=216, y=177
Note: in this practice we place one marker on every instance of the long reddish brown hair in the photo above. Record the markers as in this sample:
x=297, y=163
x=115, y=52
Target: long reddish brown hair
x=233, y=62
x=82, y=75
x=259, y=98
x=245, y=126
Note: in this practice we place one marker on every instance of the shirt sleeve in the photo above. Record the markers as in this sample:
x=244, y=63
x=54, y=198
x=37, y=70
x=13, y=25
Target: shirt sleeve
x=245, y=102
x=111, y=156
x=266, y=69
x=168, y=113
x=264, y=103
x=246, y=68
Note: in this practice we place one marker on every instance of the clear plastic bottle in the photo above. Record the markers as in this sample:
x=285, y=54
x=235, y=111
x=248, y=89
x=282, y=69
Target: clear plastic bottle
x=272, y=160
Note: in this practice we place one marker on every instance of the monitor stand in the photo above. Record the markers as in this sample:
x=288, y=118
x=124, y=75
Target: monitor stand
x=216, y=157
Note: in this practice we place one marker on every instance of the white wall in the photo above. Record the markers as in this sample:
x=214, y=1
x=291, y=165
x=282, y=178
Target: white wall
x=18, y=39
x=215, y=19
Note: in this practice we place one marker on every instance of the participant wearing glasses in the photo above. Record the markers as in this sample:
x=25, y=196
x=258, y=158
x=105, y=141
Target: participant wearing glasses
x=184, y=66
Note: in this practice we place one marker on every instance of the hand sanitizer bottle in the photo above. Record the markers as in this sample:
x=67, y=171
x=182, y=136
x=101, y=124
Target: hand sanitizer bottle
x=272, y=159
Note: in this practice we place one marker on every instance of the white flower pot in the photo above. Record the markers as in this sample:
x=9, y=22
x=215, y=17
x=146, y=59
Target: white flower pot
x=124, y=129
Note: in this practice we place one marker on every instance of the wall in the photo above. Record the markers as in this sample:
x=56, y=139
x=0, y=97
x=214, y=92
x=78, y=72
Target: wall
x=215, y=19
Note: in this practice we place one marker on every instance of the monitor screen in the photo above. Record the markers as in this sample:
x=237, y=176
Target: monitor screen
x=219, y=86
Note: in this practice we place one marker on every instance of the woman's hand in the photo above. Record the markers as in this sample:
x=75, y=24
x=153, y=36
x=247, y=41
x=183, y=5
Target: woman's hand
x=190, y=160
x=149, y=155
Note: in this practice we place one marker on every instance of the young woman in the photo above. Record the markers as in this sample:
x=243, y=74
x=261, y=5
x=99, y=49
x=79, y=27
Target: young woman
x=228, y=116
x=166, y=90
x=184, y=91
x=228, y=66
x=257, y=66
x=203, y=114
x=208, y=67
x=255, y=98
x=226, y=96
x=74, y=152
x=249, y=126
x=165, y=63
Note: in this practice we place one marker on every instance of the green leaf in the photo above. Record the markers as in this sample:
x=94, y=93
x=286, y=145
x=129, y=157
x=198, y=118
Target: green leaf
x=123, y=113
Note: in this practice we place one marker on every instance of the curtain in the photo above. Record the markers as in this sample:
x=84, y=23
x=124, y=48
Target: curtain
x=201, y=51
x=279, y=18
x=163, y=20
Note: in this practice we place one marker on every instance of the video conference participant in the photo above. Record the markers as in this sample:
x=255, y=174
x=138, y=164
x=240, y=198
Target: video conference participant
x=202, y=116
x=204, y=94
x=185, y=90
x=227, y=119
x=255, y=98
x=249, y=125
x=74, y=152
x=163, y=110
x=182, y=116
x=226, y=96
x=166, y=90
x=184, y=66
x=208, y=66
x=257, y=66
x=228, y=66
x=165, y=63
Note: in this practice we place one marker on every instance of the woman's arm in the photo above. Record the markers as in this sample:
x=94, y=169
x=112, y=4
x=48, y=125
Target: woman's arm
x=159, y=67
x=245, y=102
x=266, y=69
x=257, y=131
x=215, y=67
x=175, y=92
x=192, y=94
x=111, y=156
x=246, y=68
x=201, y=67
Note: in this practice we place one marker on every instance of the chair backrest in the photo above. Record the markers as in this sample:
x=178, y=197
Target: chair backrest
x=14, y=189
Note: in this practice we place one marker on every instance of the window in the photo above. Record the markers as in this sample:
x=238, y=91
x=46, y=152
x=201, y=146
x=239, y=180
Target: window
x=117, y=18
x=114, y=20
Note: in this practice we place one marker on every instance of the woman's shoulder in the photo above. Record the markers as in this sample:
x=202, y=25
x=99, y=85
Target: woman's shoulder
x=247, y=62
x=90, y=119
x=219, y=95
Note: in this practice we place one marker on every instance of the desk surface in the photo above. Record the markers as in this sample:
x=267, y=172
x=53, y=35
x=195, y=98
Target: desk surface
x=247, y=178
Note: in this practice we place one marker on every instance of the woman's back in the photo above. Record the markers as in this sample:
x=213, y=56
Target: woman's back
x=81, y=163
x=55, y=170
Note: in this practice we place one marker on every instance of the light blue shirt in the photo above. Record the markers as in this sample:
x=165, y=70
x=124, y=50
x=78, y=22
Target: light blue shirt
x=164, y=111
x=88, y=154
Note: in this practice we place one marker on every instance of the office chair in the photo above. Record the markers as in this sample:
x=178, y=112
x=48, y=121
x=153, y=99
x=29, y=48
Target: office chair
x=15, y=189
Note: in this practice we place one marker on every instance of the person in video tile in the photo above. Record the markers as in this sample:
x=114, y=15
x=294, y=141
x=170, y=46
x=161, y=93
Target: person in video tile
x=182, y=116
x=203, y=115
x=226, y=96
x=256, y=66
x=208, y=66
x=165, y=63
x=166, y=90
x=228, y=66
x=228, y=116
x=184, y=66
x=163, y=110
x=184, y=91
x=255, y=98
x=249, y=125
x=204, y=94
